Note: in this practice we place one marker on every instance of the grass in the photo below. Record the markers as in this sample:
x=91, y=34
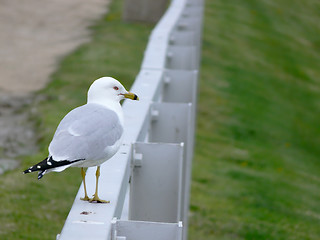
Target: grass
x=256, y=168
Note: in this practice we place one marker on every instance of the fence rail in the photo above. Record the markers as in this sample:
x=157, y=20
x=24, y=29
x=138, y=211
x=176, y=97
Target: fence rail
x=148, y=180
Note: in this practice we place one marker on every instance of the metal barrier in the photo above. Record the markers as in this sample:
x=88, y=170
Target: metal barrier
x=148, y=180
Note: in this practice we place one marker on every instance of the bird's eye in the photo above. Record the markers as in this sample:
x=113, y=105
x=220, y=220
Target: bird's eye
x=116, y=88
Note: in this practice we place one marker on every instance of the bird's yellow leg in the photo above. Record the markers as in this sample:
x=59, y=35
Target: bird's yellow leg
x=95, y=196
x=83, y=174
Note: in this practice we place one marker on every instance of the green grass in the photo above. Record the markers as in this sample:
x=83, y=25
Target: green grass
x=256, y=171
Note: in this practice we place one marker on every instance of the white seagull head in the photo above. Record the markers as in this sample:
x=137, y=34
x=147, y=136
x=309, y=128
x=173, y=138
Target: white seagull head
x=107, y=89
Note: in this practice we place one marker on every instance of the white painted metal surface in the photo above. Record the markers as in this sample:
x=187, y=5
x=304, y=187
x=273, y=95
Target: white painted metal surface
x=161, y=124
x=156, y=183
x=137, y=230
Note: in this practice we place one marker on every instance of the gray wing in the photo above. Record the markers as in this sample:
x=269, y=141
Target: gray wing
x=84, y=133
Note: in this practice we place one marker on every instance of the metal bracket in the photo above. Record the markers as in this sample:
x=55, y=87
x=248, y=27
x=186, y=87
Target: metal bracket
x=169, y=55
x=137, y=230
x=167, y=80
x=154, y=114
x=137, y=159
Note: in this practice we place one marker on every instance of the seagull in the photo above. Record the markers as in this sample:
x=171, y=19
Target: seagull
x=88, y=135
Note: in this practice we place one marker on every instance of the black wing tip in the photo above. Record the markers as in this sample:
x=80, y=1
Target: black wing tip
x=40, y=174
x=46, y=164
x=25, y=171
x=36, y=167
x=29, y=170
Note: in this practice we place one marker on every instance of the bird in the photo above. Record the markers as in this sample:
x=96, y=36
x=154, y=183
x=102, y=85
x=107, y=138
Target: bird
x=88, y=135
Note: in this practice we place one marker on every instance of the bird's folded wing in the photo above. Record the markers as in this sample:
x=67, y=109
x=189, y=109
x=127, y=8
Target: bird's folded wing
x=85, y=133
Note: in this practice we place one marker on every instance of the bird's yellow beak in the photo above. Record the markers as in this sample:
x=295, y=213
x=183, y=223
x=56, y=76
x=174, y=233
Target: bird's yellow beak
x=131, y=95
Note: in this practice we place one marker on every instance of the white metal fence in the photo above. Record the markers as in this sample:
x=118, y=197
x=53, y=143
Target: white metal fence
x=148, y=180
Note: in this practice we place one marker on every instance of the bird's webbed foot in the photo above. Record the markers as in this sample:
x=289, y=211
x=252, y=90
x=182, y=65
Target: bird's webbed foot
x=85, y=198
x=97, y=199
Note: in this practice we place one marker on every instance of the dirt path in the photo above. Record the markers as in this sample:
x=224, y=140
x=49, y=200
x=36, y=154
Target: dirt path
x=35, y=34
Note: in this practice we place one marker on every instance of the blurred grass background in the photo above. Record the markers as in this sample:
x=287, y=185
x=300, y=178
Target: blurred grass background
x=256, y=171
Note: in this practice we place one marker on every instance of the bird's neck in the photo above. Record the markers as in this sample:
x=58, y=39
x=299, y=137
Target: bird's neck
x=112, y=105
